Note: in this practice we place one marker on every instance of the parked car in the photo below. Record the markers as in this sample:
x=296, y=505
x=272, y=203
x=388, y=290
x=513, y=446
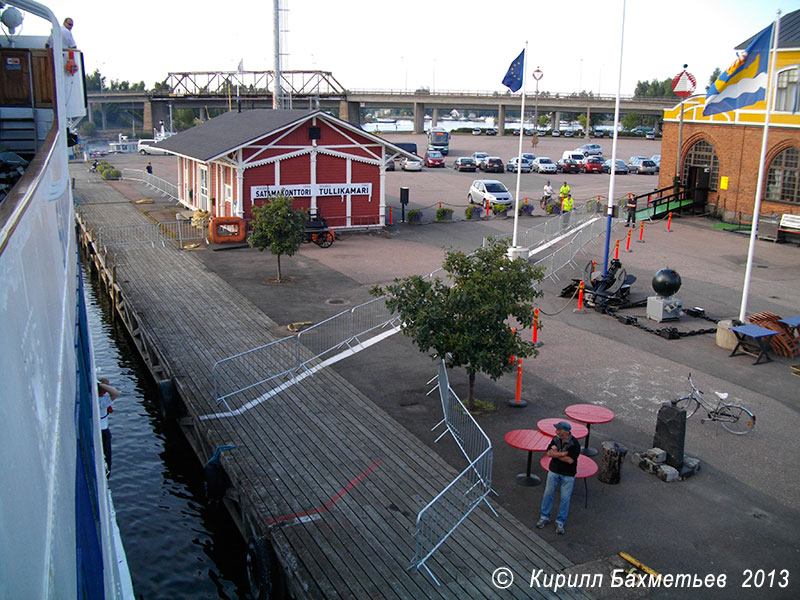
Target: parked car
x=569, y=133
x=556, y=133
x=477, y=131
x=465, y=163
x=492, y=164
x=594, y=164
x=389, y=162
x=492, y=190
x=620, y=167
x=635, y=162
x=434, y=158
x=541, y=131
x=524, y=164
x=479, y=157
x=543, y=164
x=656, y=158
x=650, y=135
x=567, y=165
x=491, y=131
x=412, y=164
x=645, y=167
x=529, y=156
x=591, y=149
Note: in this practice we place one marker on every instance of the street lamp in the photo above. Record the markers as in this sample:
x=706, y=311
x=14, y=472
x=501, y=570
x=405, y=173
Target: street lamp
x=537, y=75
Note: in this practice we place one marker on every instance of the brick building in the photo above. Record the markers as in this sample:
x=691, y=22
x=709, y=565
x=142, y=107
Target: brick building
x=719, y=154
x=241, y=159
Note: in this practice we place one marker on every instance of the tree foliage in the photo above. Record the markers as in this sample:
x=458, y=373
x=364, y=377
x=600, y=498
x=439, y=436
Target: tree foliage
x=277, y=227
x=654, y=89
x=468, y=321
x=714, y=76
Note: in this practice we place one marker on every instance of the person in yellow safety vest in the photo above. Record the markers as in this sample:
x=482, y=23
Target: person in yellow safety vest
x=566, y=203
x=564, y=191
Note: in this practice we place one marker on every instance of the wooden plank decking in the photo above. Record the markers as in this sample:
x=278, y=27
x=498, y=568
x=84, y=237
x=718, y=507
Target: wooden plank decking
x=330, y=479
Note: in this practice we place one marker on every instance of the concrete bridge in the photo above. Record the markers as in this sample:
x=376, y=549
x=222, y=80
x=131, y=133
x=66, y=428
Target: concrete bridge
x=320, y=89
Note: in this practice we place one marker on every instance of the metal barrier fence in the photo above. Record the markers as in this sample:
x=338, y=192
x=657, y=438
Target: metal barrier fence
x=442, y=515
x=165, y=187
x=152, y=234
x=261, y=369
x=565, y=255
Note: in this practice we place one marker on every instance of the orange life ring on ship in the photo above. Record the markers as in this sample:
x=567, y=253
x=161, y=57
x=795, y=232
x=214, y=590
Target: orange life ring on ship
x=227, y=230
x=71, y=66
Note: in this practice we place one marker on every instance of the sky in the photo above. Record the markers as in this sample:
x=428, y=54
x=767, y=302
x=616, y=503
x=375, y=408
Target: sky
x=463, y=45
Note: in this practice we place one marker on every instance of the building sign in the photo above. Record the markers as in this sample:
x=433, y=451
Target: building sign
x=306, y=190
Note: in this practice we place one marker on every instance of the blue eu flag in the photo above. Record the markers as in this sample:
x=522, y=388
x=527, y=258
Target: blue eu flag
x=513, y=78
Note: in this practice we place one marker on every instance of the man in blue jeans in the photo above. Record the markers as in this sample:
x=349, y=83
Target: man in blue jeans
x=564, y=451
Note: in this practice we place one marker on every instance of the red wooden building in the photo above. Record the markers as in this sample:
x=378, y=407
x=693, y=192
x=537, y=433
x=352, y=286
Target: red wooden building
x=240, y=159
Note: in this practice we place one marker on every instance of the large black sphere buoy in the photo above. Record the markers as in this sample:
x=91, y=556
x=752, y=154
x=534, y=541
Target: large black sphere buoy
x=666, y=282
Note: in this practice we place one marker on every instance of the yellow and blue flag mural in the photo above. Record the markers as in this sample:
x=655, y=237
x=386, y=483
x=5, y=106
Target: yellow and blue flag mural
x=745, y=81
x=513, y=78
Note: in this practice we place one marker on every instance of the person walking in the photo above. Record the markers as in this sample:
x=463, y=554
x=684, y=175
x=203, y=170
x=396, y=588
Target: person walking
x=149, y=169
x=564, y=191
x=106, y=394
x=547, y=195
x=564, y=451
x=631, y=206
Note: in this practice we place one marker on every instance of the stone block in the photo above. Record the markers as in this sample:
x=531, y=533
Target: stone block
x=657, y=455
x=671, y=433
x=691, y=463
x=667, y=473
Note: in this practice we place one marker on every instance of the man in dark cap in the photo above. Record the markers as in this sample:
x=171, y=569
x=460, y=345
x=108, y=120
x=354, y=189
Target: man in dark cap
x=564, y=451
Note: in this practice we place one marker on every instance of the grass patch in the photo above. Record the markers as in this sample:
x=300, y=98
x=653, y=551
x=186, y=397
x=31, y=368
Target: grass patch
x=482, y=407
x=729, y=226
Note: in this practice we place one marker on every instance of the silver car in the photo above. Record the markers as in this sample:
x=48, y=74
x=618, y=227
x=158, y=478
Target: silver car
x=524, y=163
x=543, y=164
x=492, y=190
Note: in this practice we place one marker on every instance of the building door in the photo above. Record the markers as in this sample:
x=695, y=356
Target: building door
x=697, y=185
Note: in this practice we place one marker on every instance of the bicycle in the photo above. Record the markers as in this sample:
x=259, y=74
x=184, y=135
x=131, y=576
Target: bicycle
x=734, y=418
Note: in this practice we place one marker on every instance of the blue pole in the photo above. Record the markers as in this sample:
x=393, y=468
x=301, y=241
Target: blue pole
x=608, y=241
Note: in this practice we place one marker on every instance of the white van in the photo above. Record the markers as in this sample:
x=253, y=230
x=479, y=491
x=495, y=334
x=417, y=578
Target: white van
x=575, y=155
x=146, y=147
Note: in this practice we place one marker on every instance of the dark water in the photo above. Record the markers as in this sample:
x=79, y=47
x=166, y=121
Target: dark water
x=177, y=545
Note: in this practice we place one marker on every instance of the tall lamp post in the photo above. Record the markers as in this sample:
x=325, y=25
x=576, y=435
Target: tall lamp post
x=537, y=75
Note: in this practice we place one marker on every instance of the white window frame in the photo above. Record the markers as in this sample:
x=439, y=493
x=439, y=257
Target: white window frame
x=787, y=89
x=202, y=187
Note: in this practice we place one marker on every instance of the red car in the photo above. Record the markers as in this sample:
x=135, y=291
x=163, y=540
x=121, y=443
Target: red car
x=434, y=158
x=594, y=164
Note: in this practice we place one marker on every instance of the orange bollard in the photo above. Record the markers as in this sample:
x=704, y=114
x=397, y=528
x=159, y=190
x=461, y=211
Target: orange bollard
x=580, y=296
x=526, y=200
x=390, y=215
x=628, y=242
x=487, y=208
x=641, y=232
x=440, y=206
x=535, y=325
x=616, y=250
x=513, y=332
x=594, y=265
x=669, y=223
x=517, y=400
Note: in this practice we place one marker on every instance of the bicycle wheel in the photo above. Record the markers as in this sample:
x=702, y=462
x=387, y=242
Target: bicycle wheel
x=736, y=419
x=687, y=403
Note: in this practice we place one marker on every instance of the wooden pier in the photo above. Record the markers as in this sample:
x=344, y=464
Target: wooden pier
x=324, y=484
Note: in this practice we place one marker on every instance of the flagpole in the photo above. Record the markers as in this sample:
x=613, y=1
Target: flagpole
x=519, y=153
x=757, y=204
x=613, y=169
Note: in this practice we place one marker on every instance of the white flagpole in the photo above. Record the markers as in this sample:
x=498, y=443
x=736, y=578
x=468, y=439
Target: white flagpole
x=612, y=171
x=757, y=204
x=521, y=135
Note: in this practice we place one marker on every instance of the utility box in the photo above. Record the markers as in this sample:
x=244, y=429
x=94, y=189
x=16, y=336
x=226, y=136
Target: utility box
x=403, y=195
x=664, y=309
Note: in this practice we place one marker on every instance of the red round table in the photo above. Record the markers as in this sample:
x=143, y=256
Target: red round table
x=586, y=468
x=532, y=441
x=591, y=414
x=548, y=426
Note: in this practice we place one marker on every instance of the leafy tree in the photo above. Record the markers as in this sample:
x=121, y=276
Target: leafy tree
x=88, y=129
x=654, y=89
x=95, y=82
x=714, y=76
x=277, y=227
x=631, y=120
x=467, y=322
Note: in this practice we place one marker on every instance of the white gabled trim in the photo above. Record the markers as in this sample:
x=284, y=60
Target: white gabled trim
x=346, y=156
x=288, y=155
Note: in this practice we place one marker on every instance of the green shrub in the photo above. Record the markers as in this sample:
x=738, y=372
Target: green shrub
x=414, y=216
x=111, y=173
x=444, y=214
x=473, y=212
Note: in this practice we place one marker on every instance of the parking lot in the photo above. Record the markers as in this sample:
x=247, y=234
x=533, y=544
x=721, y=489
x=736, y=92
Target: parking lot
x=431, y=186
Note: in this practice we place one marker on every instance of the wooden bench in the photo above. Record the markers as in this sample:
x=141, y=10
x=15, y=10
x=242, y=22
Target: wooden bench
x=790, y=224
